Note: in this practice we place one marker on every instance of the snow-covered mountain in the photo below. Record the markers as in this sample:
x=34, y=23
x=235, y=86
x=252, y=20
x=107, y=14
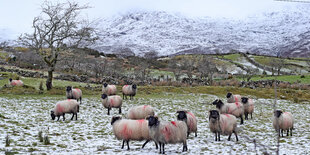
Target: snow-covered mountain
x=285, y=32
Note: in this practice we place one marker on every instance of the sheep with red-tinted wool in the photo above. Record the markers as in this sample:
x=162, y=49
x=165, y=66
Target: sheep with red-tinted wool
x=283, y=121
x=248, y=106
x=67, y=106
x=235, y=109
x=126, y=130
x=109, y=89
x=15, y=82
x=190, y=120
x=140, y=112
x=129, y=90
x=233, y=98
x=222, y=124
x=74, y=93
x=110, y=102
x=167, y=132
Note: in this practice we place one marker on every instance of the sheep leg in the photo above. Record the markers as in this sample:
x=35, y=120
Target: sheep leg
x=108, y=111
x=145, y=143
x=241, y=119
x=287, y=134
x=246, y=116
x=128, y=145
x=75, y=116
x=236, y=135
x=229, y=137
x=63, y=115
x=281, y=130
x=215, y=136
x=163, y=148
x=156, y=145
x=219, y=139
x=291, y=131
x=187, y=134
x=184, y=146
x=58, y=118
x=196, y=134
x=159, y=147
x=120, y=110
x=72, y=116
x=251, y=116
x=123, y=144
x=81, y=99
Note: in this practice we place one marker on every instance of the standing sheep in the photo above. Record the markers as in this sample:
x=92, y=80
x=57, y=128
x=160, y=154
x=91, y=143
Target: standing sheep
x=109, y=89
x=129, y=90
x=224, y=124
x=74, y=93
x=66, y=106
x=167, y=132
x=190, y=120
x=125, y=129
x=233, y=98
x=235, y=109
x=248, y=107
x=113, y=101
x=15, y=82
x=283, y=121
x=140, y=112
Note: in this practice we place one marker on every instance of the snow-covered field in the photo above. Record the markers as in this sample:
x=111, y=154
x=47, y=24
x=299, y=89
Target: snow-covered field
x=23, y=117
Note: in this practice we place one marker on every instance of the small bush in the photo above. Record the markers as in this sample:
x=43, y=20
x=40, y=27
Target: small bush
x=302, y=76
x=7, y=141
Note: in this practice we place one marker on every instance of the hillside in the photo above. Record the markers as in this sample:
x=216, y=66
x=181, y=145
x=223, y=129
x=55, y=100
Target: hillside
x=283, y=33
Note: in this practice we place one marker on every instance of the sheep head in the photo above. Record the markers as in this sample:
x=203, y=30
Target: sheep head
x=115, y=118
x=104, y=96
x=229, y=95
x=134, y=86
x=182, y=115
x=153, y=120
x=53, y=115
x=214, y=115
x=105, y=84
x=278, y=113
x=10, y=79
x=244, y=100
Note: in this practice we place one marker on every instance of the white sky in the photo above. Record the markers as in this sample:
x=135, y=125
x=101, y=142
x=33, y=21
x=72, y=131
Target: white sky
x=16, y=15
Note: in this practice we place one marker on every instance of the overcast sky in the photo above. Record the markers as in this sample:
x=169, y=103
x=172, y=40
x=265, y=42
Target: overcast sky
x=16, y=15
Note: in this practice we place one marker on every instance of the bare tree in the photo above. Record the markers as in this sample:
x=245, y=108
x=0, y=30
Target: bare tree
x=277, y=64
x=58, y=27
x=250, y=72
x=175, y=68
x=207, y=69
x=188, y=65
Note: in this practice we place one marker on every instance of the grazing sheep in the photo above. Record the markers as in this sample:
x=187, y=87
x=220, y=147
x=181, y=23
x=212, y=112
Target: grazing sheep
x=224, y=124
x=167, y=132
x=15, y=82
x=74, y=93
x=129, y=90
x=233, y=98
x=190, y=120
x=283, y=121
x=66, y=106
x=113, y=101
x=140, y=112
x=235, y=109
x=109, y=89
x=248, y=106
x=125, y=129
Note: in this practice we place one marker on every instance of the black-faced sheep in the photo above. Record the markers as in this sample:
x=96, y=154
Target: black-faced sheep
x=190, y=120
x=129, y=90
x=109, y=89
x=113, y=101
x=15, y=82
x=248, y=106
x=283, y=121
x=235, y=109
x=126, y=130
x=233, y=98
x=140, y=112
x=66, y=106
x=167, y=132
x=74, y=93
x=224, y=124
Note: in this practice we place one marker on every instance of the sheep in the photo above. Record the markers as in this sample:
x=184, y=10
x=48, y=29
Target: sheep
x=15, y=82
x=109, y=89
x=224, y=124
x=113, y=101
x=167, y=132
x=74, y=93
x=248, y=106
x=66, y=106
x=125, y=129
x=140, y=112
x=233, y=98
x=190, y=120
x=283, y=121
x=235, y=109
x=129, y=90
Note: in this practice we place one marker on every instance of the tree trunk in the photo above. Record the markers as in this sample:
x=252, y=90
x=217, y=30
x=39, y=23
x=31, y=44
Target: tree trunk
x=49, y=80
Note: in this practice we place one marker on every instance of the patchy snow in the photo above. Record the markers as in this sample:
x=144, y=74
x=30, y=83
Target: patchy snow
x=23, y=117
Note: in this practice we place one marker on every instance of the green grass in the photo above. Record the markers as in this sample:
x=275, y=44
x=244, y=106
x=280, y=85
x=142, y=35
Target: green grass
x=286, y=78
x=233, y=57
